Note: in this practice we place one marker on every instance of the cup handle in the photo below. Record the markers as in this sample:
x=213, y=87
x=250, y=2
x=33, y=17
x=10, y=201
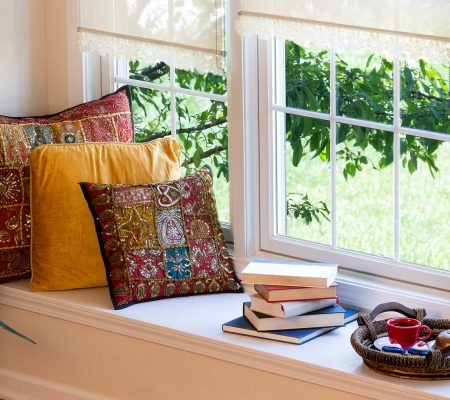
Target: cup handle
x=427, y=335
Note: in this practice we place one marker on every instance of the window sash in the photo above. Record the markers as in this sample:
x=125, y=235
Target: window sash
x=272, y=195
x=120, y=77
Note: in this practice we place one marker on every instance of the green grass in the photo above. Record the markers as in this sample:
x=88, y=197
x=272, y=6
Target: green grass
x=364, y=209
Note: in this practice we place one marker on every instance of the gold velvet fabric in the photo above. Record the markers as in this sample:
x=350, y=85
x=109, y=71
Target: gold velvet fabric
x=64, y=248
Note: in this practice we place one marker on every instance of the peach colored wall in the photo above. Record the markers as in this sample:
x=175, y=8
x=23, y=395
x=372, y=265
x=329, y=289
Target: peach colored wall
x=114, y=366
x=40, y=64
x=23, y=58
x=64, y=60
x=56, y=42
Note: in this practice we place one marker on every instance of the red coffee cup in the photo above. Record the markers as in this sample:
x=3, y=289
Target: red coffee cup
x=406, y=331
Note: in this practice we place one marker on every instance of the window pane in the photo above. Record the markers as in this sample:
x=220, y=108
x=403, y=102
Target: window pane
x=202, y=130
x=308, y=179
x=364, y=87
x=307, y=78
x=425, y=202
x=155, y=73
x=364, y=190
x=204, y=82
x=151, y=113
x=425, y=96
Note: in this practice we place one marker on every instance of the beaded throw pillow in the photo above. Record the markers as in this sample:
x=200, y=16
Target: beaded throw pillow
x=103, y=120
x=161, y=240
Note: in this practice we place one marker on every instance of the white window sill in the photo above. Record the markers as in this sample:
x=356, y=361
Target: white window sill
x=194, y=324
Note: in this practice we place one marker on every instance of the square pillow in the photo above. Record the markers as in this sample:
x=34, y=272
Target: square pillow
x=161, y=240
x=64, y=245
x=106, y=119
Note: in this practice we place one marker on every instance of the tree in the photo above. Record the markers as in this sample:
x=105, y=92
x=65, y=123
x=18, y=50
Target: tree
x=201, y=124
x=364, y=92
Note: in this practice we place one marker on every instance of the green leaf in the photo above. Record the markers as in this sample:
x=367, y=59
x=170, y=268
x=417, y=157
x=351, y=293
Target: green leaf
x=409, y=77
x=423, y=66
x=197, y=157
x=351, y=169
x=297, y=153
x=314, y=142
x=412, y=165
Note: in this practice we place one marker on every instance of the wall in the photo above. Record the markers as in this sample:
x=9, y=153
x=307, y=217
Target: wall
x=86, y=363
x=64, y=59
x=40, y=64
x=23, y=58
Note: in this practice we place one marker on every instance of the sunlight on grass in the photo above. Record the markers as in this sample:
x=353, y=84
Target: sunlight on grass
x=365, y=208
x=425, y=213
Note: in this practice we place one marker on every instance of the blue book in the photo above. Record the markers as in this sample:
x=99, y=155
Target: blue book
x=241, y=326
x=329, y=316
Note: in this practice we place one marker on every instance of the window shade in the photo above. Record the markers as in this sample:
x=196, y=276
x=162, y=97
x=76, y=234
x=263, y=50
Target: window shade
x=186, y=34
x=413, y=28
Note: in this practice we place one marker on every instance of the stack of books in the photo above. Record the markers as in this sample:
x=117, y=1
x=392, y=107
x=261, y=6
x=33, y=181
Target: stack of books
x=294, y=302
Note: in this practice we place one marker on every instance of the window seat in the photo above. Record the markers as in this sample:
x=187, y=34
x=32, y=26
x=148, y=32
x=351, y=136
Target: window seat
x=193, y=324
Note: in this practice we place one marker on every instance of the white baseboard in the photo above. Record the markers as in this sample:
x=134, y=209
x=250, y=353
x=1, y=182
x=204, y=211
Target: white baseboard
x=17, y=386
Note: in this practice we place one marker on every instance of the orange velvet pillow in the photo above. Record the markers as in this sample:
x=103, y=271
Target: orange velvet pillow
x=64, y=249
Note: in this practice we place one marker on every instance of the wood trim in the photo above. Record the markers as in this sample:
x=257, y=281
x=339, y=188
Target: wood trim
x=15, y=385
x=238, y=354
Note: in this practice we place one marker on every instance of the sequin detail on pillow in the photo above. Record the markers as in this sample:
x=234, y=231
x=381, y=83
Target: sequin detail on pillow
x=161, y=240
x=106, y=119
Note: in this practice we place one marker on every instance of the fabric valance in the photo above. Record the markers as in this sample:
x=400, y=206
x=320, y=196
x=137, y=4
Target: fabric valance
x=187, y=34
x=411, y=28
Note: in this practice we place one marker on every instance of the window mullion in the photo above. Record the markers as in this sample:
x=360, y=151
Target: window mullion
x=173, y=109
x=280, y=98
x=333, y=129
x=396, y=149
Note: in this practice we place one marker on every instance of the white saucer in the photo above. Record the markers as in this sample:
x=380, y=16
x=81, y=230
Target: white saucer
x=381, y=342
x=384, y=341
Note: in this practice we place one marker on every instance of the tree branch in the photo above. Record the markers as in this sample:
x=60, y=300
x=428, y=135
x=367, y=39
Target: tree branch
x=205, y=154
x=154, y=72
x=213, y=123
x=428, y=96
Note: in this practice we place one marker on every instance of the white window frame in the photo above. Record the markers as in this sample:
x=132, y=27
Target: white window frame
x=250, y=155
x=121, y=77
x=272, y=147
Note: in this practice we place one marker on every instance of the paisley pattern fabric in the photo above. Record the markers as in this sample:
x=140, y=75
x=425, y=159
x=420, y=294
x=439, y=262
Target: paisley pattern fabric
x=106, y=119
x=161, y=240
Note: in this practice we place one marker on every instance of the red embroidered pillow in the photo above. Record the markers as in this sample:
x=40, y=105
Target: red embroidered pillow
x=160, y=240
x=105, y=120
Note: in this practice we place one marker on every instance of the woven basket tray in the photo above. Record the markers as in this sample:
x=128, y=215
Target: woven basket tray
x=435, y=365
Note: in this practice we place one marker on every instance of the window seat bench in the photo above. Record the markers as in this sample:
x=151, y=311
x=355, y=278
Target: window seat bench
x=190, y=325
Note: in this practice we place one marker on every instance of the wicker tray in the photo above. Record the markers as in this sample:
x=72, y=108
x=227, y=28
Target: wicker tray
x=434, y=366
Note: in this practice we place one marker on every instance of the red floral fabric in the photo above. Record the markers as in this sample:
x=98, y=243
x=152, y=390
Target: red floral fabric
x=161, y=240
x=107, y=119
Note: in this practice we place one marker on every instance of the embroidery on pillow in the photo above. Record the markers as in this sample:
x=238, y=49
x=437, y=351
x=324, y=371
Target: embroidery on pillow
x=161, y=240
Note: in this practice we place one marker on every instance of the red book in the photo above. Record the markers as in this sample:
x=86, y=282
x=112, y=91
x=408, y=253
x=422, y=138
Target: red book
x=273, y=293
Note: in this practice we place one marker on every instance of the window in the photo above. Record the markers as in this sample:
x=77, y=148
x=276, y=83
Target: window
x=359, y=159
x=189, y=106
x=324, y=131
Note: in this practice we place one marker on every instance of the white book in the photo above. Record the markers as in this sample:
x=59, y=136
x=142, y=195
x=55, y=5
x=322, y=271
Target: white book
x=330, y=316
x=289, y=308
x=284, y=273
